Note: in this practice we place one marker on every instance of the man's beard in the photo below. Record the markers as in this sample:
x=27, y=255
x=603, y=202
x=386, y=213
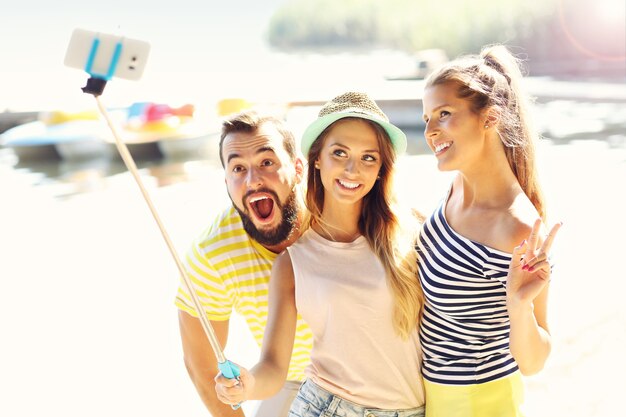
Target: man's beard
x=289, y=217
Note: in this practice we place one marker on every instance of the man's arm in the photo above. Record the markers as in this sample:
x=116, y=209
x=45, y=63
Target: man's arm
x=201, y=363
x=268, y=376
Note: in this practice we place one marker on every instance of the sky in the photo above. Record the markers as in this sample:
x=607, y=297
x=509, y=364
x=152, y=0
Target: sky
x=193, y=44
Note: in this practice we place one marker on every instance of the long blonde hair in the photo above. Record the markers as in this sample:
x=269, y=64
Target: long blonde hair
x=492, y=80
x=379, y=223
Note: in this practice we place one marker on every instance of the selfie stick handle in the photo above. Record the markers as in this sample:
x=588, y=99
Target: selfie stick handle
x=228, y=369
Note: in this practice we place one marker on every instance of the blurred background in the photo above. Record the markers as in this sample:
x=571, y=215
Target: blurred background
x=87, y=320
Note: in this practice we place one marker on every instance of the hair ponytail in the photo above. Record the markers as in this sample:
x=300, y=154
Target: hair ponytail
x=492, y=80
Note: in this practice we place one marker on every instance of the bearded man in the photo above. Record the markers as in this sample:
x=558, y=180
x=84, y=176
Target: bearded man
x=230, y=263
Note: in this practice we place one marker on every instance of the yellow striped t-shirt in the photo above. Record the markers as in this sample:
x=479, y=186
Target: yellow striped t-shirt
x=231, y=270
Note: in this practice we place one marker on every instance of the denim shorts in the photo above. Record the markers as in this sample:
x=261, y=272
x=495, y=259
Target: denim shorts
x=313, y=401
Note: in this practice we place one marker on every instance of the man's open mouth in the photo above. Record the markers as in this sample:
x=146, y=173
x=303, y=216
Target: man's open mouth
x=262, y=205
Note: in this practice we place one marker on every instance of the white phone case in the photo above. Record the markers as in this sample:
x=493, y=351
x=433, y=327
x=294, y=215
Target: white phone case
x=95, y=53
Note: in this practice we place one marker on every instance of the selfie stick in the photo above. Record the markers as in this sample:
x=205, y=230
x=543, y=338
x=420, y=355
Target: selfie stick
x=95, y=86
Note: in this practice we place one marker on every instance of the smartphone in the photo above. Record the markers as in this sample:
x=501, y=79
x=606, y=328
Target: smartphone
x=106, y=56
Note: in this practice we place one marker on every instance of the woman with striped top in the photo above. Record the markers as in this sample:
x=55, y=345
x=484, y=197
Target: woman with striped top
x=484, y=320
x=352, y=275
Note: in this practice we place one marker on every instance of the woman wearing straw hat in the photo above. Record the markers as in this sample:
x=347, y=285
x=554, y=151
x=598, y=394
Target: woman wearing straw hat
x=485, y=317
x=352, y=276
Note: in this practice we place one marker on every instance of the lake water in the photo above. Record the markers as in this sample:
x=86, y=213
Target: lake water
x=88, y=325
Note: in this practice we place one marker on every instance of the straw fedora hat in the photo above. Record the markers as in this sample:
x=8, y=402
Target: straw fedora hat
x=352, y=104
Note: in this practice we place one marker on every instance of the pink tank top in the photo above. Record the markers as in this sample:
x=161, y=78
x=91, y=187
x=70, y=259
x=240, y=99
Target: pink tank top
x=342, y=293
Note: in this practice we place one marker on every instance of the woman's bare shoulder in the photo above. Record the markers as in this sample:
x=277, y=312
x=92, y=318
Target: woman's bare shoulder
x=519, y=222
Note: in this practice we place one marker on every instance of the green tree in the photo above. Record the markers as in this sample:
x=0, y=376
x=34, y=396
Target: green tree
x=457, y=26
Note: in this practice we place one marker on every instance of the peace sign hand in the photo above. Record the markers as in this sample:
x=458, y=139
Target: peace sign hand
x=529, y=271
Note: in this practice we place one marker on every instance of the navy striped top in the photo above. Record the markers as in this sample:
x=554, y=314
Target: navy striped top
x=465, y=325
